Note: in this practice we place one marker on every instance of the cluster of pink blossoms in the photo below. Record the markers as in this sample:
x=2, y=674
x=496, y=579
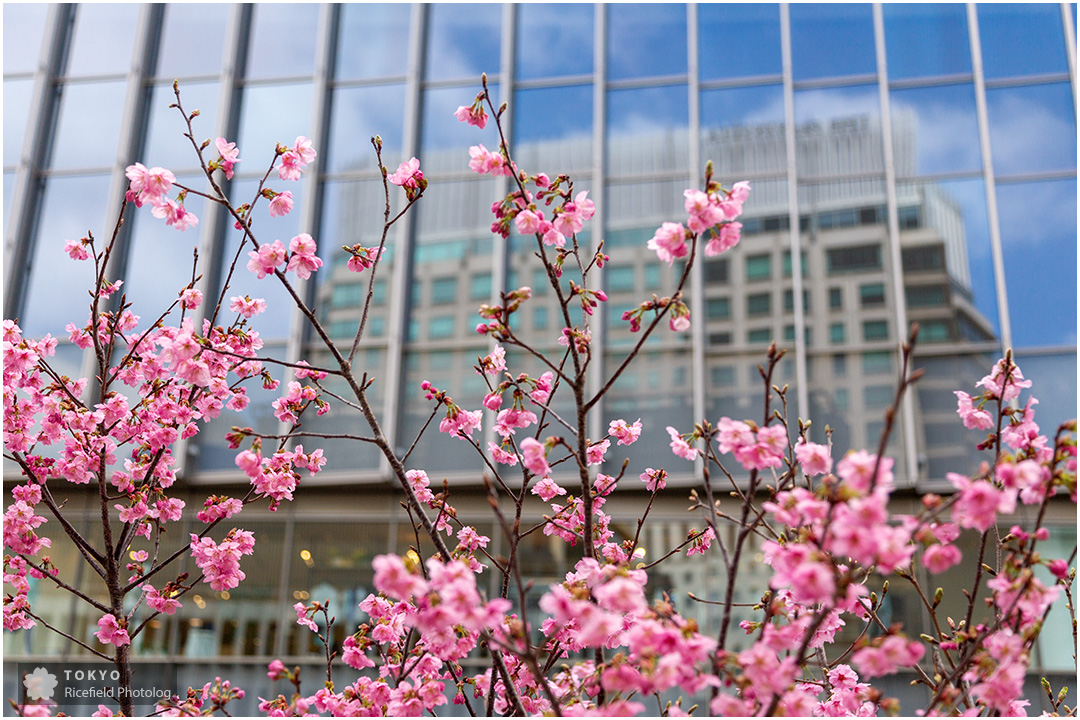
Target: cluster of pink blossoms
x=295, y=159
x=220, y=562
x=150, y=185
x=300, y=257
x=714, y=212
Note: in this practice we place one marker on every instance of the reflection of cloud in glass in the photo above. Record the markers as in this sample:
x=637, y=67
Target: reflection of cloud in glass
x=57, y=288
x=1032, y=128
x=554, y=39
x=192, y=40
x=655, y=119
x=88, y=130
x=282, y=40
x=442, y=131
x=23, y=27
x=358, y=115
x=103, y=39
x=553, y=128
x=372, y=39
x=827, y=104
x=270, y=115
x=166, y=146
x=464, y=40
x=947, y=131
x=646, y=40
x=1038, y=234
x=17, y=102
x=160, y=263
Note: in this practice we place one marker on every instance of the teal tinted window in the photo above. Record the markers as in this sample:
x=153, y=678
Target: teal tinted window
x=443, y=290
x=837, y=334
x=874, y=363
x=762, y=335
x=620, y=278
x=759, y=304
x=872, y=295
x=440, y=328
x=876, y=330
x=480, y=287
x=718, y=308
x=758, y=267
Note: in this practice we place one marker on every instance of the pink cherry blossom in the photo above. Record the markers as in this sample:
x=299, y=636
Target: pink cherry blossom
x=282, y=204
x=266, y=259
x=533, y=457
x=813, y=457
x=470, y=115
x=76, y=250
x=669, y=242
x=110, y=632
x=625, y=434
x=408, y=174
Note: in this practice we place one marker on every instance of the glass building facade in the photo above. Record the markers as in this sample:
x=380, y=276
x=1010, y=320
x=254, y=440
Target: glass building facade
x=918, y=160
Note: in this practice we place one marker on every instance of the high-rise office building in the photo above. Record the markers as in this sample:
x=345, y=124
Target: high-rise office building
x=918, y=160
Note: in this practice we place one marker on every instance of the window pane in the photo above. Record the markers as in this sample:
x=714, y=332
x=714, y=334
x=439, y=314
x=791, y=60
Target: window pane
x=166, y=145
x=647, y=130
x=926, y=39
x=58, y=285
x=162, y=258
x=935, y=130
x=283, y=40
x=9, y=189
x=373, y=38
x=88, y=130
x=1021, y=39
x=442, y=131
x=759, y=304
x=554, y=39
x=549, y=142
x=875, y=330
x=455, y=50
x=337, y=568
x=24, y=25
x=453, y=230
x=947, y=445
x=270, y=115
x=758, y=267
x=653, y=389
x=831, y=40
x=17, y=101
x=1032, y=129
x=947, y=241
x=213, y=451
x=644, y=40
x=275, y=322
x=742, y=130
x=358, y=115
x=839, y=130
x=1053, y=377
x=1040, y=261
x=192, y=40
x=452, y=372
x=836, y=333
x=749, y=35
x=103, y=39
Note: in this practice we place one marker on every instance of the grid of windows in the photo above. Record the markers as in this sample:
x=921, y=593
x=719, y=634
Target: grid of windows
x=897, y=175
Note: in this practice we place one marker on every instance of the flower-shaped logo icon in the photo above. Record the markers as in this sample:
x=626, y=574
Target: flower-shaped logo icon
x=40, y=684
